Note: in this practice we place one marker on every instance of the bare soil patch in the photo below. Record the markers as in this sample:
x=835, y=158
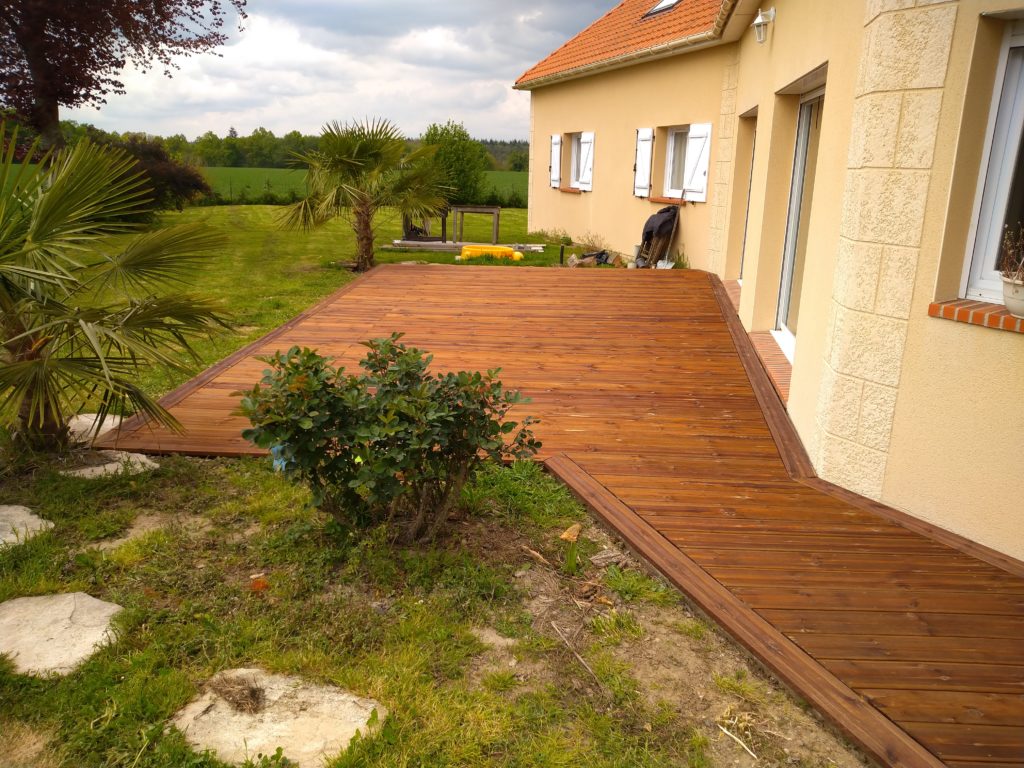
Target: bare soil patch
x=677, y=660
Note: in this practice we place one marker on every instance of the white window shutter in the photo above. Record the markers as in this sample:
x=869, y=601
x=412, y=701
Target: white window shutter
x=642, y=165
x=698, y=153
x=587, y=161
x=556, y=161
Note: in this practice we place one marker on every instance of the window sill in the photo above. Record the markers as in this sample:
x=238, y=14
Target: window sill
x=570, y=190
x=979, y=313
x=668, y=200
x=774, y=360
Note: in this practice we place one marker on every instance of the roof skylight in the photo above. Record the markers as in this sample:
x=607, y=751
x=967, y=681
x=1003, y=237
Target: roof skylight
x=663, y=5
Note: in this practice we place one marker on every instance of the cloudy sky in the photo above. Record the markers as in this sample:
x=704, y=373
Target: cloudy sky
x=299, y=63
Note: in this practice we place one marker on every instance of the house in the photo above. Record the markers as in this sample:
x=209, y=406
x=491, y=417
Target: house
x=851, y=166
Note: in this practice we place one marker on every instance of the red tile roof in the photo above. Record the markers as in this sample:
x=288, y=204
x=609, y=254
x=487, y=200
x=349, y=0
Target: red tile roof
x=626, y=30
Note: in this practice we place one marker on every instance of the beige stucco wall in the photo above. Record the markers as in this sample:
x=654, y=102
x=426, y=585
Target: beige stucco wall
x=800, y=41
x=676, y=91
x=957, y=439
x=921, y=413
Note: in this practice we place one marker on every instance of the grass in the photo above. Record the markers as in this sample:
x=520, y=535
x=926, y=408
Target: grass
x=634, y=586
x=740, y=685
x=249, y=183
x=391, y=623
x=695, y=629
x=616, y=626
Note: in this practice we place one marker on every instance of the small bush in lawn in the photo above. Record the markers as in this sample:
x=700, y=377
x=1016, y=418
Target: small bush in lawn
x=394, y=445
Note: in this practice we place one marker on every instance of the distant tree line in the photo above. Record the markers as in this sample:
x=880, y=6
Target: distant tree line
x=173, y=163
x=263, y=149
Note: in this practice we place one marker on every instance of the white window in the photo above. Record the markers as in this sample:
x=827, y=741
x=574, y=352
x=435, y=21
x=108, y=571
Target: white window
x=642, y=162
x=675, y=161
x=1000, y=199
x=555, y=168
x=687, y=152
x=582, y=161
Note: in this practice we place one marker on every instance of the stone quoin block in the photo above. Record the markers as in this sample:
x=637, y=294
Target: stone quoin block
x=868, y=346
x=919, y=128
x=885, y=206
x=896, y=282
x=852, y=466
x=856, y=279
x=907, y=50
x=839, y=403
x=877, y=411
x=873, y=134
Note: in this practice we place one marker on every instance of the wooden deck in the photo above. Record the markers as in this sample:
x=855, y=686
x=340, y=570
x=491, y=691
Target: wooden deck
x=657, y=413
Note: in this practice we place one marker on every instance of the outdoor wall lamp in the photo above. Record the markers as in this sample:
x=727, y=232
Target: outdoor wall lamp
x=764, y=18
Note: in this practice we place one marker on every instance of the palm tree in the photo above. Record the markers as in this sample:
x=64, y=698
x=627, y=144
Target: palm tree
x=359, y=169
x=82, y=313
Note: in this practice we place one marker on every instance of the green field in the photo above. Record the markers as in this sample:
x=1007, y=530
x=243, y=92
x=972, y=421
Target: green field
x=233, y=183
x=250, y=183
x=507, y=181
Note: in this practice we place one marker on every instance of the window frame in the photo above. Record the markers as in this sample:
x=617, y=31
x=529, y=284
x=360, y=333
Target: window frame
x=577, y=164
x=575, y=145
x=980, y=280
x=675, y=134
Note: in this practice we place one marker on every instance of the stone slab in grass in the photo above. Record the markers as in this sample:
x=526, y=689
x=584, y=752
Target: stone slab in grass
x=244, y=712
x=106, y=463
x=83, y=426
x=53, y=634
x=19, y=524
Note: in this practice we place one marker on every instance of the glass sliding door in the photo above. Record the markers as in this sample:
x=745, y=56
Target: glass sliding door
x=750, y=187
x=801, y=193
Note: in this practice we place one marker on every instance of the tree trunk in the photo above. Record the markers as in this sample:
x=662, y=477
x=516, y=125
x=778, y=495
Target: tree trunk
x=48, y=434
x=45, y=119
x=363, y=225
x=44, y=114
x=46, y=431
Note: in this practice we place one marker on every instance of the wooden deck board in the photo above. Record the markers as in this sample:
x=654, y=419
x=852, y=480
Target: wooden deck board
x=657, y=413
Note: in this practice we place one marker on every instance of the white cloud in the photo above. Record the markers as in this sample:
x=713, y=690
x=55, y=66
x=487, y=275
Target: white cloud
x=300, y=63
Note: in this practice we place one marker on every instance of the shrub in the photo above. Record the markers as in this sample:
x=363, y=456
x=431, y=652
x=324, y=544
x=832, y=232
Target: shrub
x=462, y=160
x=394, y=445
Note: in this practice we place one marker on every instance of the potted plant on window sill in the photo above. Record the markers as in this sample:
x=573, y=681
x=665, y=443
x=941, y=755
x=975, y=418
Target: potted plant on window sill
x=1011, y=267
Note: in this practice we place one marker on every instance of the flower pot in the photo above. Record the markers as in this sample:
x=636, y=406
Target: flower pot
x=1013, y=296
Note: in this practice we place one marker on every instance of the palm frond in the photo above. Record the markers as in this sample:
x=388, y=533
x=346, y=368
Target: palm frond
x=157, y=260
x=35, y=388
x=88, y=192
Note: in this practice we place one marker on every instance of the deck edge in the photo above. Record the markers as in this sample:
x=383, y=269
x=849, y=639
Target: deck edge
x=787, y=441
x=799, y=465
x=919, y=526
x=139, y=421
x=850, y=713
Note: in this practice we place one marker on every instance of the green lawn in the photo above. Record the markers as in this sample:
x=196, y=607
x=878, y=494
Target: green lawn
x=396, y=624
x=231, y=183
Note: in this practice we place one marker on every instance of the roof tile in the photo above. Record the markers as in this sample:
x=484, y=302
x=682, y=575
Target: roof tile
x=627, y=29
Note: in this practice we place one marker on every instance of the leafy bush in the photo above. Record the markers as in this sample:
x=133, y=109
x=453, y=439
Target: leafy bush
x=394, y=445
x=462, y=160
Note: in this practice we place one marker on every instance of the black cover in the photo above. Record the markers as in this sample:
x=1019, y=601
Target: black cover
x=660, y=224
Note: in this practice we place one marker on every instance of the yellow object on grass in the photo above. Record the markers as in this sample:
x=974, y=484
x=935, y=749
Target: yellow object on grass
x=497, y=251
